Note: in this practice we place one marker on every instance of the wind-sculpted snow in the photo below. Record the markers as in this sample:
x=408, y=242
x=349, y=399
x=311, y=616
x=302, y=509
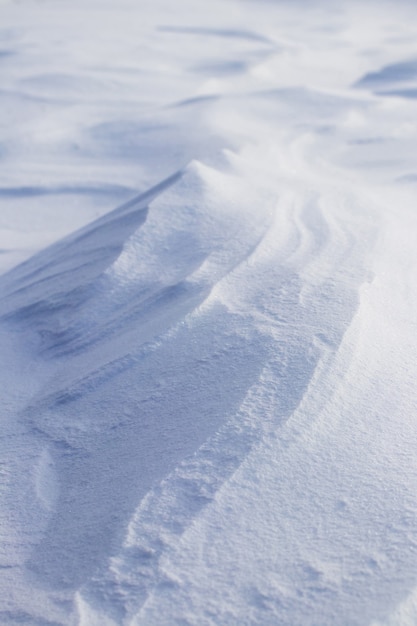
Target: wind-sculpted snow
x=208, y=393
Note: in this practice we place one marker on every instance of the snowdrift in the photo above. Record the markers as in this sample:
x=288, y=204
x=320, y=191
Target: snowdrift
x=208, y=393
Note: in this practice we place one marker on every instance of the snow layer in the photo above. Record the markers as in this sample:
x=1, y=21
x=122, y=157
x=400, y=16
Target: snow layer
x=208, y=393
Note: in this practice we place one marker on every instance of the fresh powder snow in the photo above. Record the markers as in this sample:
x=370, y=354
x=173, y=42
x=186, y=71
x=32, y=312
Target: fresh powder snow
x=208, y=313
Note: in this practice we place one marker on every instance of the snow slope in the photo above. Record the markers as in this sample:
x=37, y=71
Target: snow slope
x=208, y=393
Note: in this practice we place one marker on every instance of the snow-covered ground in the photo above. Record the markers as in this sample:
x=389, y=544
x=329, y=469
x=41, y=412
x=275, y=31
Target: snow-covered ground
x=208, y=393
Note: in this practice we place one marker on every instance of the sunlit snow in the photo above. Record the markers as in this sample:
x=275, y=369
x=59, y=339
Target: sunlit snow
x=208, y=313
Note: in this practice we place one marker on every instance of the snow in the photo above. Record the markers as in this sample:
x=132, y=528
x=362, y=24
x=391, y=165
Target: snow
x=208, y=313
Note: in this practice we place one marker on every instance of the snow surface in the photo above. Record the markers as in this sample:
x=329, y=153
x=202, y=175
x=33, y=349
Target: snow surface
x=209, y=394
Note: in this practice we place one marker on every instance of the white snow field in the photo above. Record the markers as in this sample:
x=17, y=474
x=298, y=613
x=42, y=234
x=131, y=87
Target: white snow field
x=208, y=313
